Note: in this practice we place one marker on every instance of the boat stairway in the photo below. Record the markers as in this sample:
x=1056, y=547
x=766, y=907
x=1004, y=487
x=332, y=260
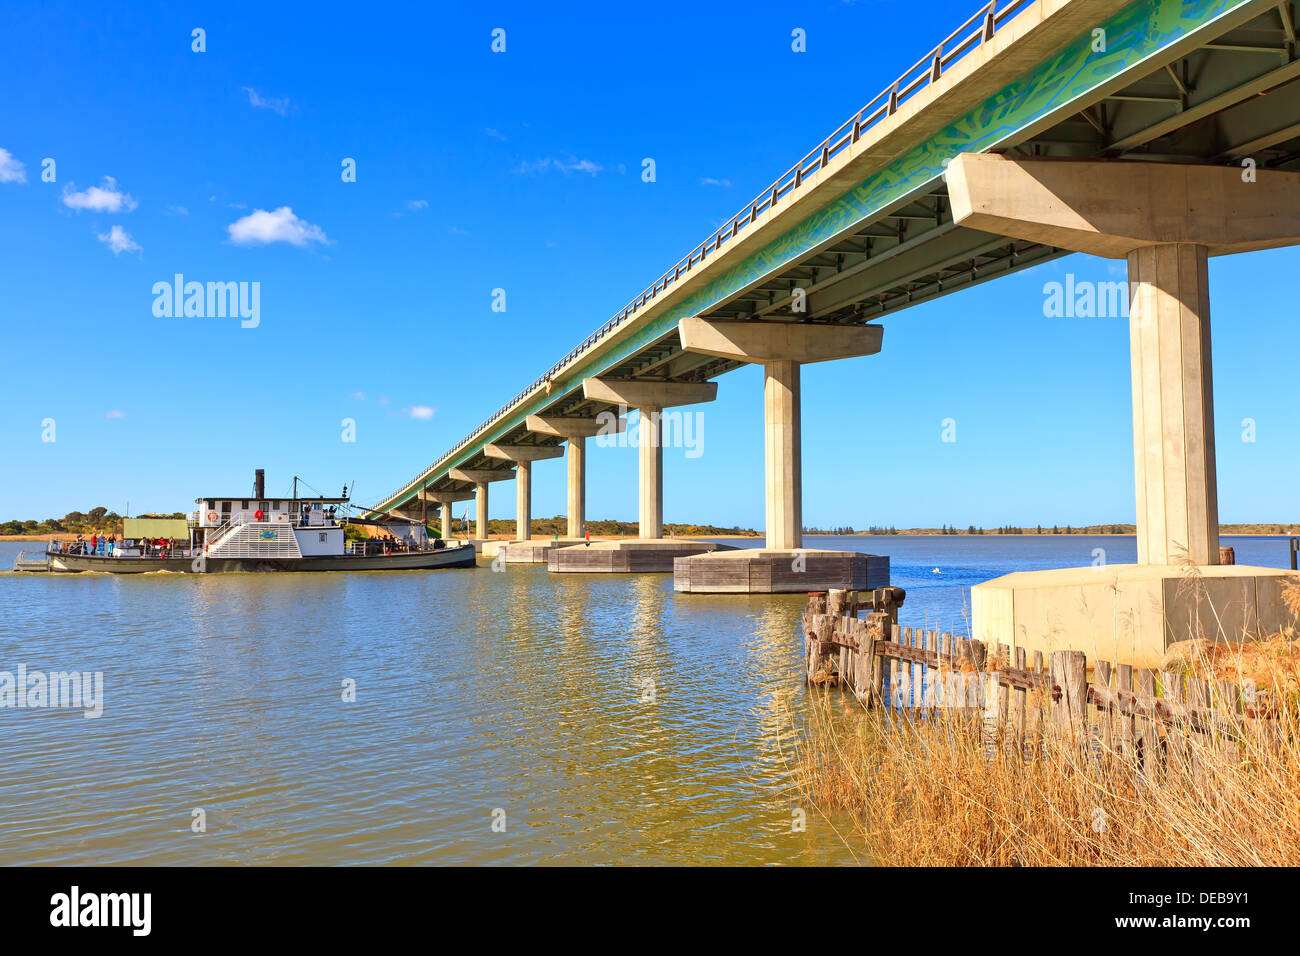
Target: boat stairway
x=257, y=539
x=32, y=561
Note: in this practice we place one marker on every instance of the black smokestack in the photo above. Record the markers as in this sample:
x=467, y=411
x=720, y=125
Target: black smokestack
x=259, y=483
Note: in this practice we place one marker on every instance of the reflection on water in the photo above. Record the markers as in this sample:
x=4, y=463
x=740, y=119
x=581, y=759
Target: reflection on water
x=609, y=718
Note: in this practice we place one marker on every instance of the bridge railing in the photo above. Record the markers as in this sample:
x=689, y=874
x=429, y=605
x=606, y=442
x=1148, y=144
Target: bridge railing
x=980, y=28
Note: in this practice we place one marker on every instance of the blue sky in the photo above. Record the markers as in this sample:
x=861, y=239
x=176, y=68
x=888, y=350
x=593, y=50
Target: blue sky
x=519, y=171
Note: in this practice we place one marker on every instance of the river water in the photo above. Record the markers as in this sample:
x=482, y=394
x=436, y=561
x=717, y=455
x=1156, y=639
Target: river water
x=592, y=719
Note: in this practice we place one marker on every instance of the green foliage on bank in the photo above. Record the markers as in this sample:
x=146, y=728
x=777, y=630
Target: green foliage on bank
x=94, y=521
x=559, y=527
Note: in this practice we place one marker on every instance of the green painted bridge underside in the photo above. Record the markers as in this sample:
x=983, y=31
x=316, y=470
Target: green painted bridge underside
x=1133, y=35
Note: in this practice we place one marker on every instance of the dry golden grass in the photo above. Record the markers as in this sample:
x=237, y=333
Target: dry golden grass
x=935, y=794
x=947, y=793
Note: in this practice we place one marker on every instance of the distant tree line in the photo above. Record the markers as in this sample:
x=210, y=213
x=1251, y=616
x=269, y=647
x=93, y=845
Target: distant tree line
x=94, y=521
x=559, y=526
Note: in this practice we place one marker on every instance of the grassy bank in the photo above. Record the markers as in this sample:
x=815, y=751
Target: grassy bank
x=925, y=795
x=944, y=792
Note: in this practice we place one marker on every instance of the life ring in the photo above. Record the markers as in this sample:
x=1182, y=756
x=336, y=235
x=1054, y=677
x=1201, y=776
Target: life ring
x=212, y=517
x=258, y=515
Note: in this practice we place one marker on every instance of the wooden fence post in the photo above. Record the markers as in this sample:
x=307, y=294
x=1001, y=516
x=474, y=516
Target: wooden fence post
x=877, y=661
x=896, y=671
x=1144, y=685
x=1003, y=690
x=1069, y=672
x=1198, y=696
x=1016, y=717
x=1124, y=683
x=1101, y=671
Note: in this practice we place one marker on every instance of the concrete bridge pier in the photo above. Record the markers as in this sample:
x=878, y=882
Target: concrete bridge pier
x=1165, y=220
x=445, y=499
x=481, y=477
x=650, y=551
x=522, y=456
x=784, y=565
x=575, y=430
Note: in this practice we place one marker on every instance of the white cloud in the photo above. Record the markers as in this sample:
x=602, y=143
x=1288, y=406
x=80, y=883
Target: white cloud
x=710, y=181
x=11, y=170
x=119, y=240
x=359, y=396
x=279, y=104
x=105, y=197
x=260, y=227
x=114, y=413
x=419, y=411
x=457, y=231
x=417, y=204
x=495, y=134
x=178, y=211
x=571, y=165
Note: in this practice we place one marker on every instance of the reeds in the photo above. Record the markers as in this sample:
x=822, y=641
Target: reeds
x=948, y=791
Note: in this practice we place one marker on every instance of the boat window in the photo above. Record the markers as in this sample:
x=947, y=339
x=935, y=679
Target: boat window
x=243, y=505
x=323, y=536
x=212, y=505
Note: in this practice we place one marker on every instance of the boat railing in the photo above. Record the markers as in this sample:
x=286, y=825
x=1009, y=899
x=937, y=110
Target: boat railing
x=371, y=547
x=37, y=562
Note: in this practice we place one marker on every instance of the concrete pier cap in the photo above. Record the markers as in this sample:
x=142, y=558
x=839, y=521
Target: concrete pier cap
x=1166, y=219
x=781, y=346
x=573, y=426
x=1109, y=208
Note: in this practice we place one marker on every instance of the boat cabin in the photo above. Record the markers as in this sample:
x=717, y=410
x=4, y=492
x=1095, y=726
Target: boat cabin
x=261, y=525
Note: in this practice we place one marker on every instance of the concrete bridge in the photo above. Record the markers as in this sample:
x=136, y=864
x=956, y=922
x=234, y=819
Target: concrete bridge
x=1157, y=131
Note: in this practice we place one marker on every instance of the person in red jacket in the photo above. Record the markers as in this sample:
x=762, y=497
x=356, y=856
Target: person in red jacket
x=94, y=542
